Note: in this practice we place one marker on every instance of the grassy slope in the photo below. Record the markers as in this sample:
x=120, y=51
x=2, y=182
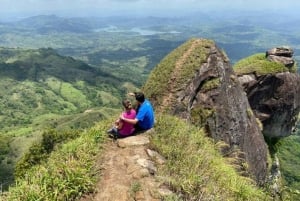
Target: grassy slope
x=288, y=153
x=194, y=167
x=161, y=73
x=258, y=64
x=40, y=89
x=38, y=82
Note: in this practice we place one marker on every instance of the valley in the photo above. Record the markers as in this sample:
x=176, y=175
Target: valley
x=53, y=69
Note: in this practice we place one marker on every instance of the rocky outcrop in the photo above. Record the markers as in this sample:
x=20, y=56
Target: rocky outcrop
x=275, y=97
x=211, y=97
x=282, y=55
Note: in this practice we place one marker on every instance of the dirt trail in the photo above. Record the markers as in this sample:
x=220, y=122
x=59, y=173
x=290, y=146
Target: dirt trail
x=128, y=172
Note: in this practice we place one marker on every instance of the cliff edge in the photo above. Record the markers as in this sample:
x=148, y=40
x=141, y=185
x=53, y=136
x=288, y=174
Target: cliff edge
x=273, y=89
x=196, y=82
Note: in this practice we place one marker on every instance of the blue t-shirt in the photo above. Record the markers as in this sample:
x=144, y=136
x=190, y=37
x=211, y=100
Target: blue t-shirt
x=145, y=115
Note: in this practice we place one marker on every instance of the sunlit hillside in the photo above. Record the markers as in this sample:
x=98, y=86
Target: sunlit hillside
x=40, y=90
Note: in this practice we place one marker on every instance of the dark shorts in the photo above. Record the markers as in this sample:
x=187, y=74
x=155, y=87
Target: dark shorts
x=138, y=129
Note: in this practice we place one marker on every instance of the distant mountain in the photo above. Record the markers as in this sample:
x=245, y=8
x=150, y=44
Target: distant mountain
x=39, y=82
x=44, y=24
x=39, y=64
x=40, y=90
x=52, y=23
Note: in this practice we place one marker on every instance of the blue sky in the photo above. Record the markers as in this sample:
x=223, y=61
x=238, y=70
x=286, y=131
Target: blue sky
x=25, y=8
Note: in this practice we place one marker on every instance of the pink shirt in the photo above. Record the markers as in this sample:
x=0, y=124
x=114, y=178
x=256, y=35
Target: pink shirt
x=128, y=128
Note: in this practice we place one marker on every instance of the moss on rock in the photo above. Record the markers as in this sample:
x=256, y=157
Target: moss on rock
x=260, y=65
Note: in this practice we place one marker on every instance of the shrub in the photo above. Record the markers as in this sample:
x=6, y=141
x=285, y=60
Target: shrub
x=67, y=174
x=40, y=151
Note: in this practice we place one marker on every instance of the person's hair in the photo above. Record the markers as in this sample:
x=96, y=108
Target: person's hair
x=139, y=96
x=126, y=103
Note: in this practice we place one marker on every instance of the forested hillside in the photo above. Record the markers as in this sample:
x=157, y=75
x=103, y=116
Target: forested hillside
x=40, y=90
x=68, y=73
x=39, y=82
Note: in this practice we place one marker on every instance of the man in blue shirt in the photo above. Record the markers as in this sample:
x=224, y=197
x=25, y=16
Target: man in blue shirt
x=144, y=119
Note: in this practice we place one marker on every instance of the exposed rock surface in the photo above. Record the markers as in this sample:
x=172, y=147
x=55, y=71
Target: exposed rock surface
x=129, y=172
x=274, y=98
x=282, y=55
x=280, y=51
x=213, y=97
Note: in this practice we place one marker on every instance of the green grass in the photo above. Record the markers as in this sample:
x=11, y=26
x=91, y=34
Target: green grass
x=108, y=99
x=67, y=174
x=211, y=84
x=20, y=131
x=258, y=64
x=194, y=167
x=158, y=81
x=74, y=95
x=288, y=151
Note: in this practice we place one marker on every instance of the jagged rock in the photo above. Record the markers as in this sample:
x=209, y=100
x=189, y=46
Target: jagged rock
x=164, y=191
x=247, y=79
x=156, y=156
x=287, y=61
x=280, y=51
x=212, y=96
x=275, y=100
x=281, y=55
x=147, y=164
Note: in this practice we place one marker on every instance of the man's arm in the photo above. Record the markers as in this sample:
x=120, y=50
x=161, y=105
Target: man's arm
x=131, y=121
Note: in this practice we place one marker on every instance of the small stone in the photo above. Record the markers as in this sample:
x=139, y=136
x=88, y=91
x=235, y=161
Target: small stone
x=133, y=141
x=147, y=164
x=156, y=156
x=141, y=173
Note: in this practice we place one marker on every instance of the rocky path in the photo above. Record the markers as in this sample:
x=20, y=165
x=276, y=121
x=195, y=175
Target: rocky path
x=128, y=172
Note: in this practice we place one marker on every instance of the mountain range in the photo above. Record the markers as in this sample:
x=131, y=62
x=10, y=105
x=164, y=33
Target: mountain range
x=75, y=84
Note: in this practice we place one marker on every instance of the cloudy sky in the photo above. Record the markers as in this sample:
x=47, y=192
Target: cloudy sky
x=25, y=8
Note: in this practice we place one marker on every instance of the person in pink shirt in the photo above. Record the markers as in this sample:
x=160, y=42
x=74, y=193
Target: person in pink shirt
x=123, y=129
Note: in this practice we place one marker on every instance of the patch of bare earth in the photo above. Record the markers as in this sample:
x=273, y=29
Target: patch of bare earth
x=128, y=172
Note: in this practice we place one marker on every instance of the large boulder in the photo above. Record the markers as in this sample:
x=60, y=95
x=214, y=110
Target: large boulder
x=281, y=55
x=274, y=96
x=275, y=100
x=197, y=83
x=280, y=51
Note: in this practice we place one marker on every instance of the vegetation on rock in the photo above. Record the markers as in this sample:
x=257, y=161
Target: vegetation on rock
x=258, y=64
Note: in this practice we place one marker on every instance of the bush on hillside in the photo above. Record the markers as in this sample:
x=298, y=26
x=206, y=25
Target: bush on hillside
x=40, y=151
x=67, y=173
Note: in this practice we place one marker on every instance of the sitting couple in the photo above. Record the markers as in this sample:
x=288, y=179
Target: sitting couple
x=131, y=121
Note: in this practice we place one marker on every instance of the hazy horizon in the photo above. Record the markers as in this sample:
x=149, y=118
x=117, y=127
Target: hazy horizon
x=14, y=10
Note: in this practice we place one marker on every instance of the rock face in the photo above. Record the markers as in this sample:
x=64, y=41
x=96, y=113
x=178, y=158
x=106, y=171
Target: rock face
x=282, y=55
x=274, y=98
x=211, y=97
